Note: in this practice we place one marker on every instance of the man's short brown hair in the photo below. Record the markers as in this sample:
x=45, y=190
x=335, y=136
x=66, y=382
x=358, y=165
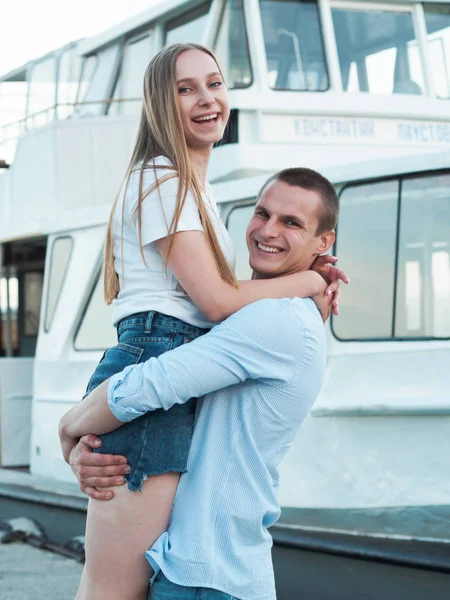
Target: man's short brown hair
x=311, y=180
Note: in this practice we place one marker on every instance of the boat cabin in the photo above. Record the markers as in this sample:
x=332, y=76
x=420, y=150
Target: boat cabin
x=359, y=90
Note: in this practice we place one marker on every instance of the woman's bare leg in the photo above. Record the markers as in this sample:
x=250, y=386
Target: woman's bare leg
x=80, y=593
x=118, y=532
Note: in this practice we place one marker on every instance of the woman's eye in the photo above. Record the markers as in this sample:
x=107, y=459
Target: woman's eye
x=183, y=90
x=216, y=83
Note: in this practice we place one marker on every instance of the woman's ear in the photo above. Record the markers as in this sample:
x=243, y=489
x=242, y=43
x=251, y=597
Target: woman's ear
x=326, y=241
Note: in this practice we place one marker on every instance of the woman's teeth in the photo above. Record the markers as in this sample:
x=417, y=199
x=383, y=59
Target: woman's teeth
x=268, y=248
x=207, y=118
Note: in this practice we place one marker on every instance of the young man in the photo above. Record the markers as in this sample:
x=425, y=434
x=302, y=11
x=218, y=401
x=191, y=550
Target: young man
x=256, y=375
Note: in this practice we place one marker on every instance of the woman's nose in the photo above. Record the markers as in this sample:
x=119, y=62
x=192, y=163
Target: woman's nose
x=206, y=97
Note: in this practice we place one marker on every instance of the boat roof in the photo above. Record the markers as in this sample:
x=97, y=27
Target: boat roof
x=169, y=8
x=20, y=73
x=341, y=174
x=86, y=46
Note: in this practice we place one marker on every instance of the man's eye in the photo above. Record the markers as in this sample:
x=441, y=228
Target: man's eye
x=261, y=213
x=292, y=223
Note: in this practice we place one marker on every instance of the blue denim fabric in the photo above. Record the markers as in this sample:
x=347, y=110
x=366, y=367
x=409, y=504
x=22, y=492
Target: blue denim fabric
x=163, y=589
x=157, y=442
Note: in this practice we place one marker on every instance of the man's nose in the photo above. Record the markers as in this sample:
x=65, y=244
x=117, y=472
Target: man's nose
x=270, y=229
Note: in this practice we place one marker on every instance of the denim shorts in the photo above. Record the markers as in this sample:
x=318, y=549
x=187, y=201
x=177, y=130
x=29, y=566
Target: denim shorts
x=163, y=589
x=158, y=441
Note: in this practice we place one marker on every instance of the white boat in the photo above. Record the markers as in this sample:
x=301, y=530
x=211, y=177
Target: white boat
x=358, y=90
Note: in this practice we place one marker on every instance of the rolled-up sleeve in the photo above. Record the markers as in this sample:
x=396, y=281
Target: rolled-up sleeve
x=250, y=344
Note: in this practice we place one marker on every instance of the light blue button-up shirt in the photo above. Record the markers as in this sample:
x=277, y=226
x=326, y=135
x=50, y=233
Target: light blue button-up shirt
x=256, y=375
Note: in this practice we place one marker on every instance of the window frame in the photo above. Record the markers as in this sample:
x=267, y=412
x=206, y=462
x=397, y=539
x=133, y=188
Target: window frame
x=229, y=207
x=79, y=101
x=64, y=52
x=325, y=52
x=47, y=290
x=24, y=300
x=400, y=177
x=217, y=33
x=419, y=27
x=105, y=102
x=97, y=273
x=184, y=18
x=137, y=36
x=87, y=301
x=53, y=56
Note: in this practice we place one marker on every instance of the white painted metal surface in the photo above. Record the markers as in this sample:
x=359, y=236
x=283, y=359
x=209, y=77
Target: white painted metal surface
x=16, y=390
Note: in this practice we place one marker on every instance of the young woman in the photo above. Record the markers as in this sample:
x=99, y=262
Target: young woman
x=169, y=270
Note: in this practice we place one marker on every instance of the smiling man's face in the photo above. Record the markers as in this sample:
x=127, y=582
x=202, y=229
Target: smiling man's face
x=282, y=234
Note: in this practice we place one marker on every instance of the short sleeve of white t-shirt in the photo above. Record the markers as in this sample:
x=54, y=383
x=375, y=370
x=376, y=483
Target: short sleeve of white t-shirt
x=158, y=208
x=146, y=284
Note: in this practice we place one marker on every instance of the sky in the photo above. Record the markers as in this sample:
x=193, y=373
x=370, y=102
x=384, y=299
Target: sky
x=30, y=28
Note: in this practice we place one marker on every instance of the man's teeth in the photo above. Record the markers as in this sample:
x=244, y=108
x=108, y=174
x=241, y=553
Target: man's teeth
x=207, y=118
x=268, y=248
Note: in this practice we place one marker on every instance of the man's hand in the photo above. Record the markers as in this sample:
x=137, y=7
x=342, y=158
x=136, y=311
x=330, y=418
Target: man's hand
x=66, y=440
x=95, y=471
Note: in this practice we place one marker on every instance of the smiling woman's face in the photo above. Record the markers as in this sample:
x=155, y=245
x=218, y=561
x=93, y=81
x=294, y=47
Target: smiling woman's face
x=203, y=98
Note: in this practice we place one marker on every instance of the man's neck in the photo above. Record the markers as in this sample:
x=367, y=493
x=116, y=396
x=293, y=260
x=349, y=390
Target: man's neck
x=256, y=275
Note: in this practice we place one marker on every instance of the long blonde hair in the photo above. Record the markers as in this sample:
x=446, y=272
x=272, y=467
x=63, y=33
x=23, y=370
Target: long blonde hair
x=160, y=133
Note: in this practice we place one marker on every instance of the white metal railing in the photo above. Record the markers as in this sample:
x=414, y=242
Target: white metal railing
x=10, y=132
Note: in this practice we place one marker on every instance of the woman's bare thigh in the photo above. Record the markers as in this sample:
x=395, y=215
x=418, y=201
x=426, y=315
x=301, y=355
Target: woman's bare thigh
x=118, y=532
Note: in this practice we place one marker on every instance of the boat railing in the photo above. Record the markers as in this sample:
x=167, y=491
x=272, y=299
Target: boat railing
x=12, y=131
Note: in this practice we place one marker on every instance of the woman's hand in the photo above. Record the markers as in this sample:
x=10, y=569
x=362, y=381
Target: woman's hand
x=327, y=299
x=325, y=266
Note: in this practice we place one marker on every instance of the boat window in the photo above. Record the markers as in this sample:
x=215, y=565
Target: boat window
x=9, y=318
x=87, y=71
x=237, y=222
x=95, y=331
x=59, y=261
x=20, y=295
x=13, y=104
x=423, y=282
x=366, y=245
x=189, y=27
x=231, y=46
x=99, y=90
x=13, y=101
x=32, y=295
x=437, y=18
x=378, y=51
x=294, y=46
x=42, y=93
x=68, y=79
x=128, y=92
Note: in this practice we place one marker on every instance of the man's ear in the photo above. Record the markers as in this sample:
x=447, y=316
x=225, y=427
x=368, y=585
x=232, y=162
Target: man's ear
x=326, y=241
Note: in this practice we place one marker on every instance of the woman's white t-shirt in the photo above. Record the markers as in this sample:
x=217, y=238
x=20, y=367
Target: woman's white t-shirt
x=145, y=287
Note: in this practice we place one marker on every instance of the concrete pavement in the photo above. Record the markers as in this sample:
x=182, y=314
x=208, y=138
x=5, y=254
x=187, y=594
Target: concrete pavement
x=27, y=573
